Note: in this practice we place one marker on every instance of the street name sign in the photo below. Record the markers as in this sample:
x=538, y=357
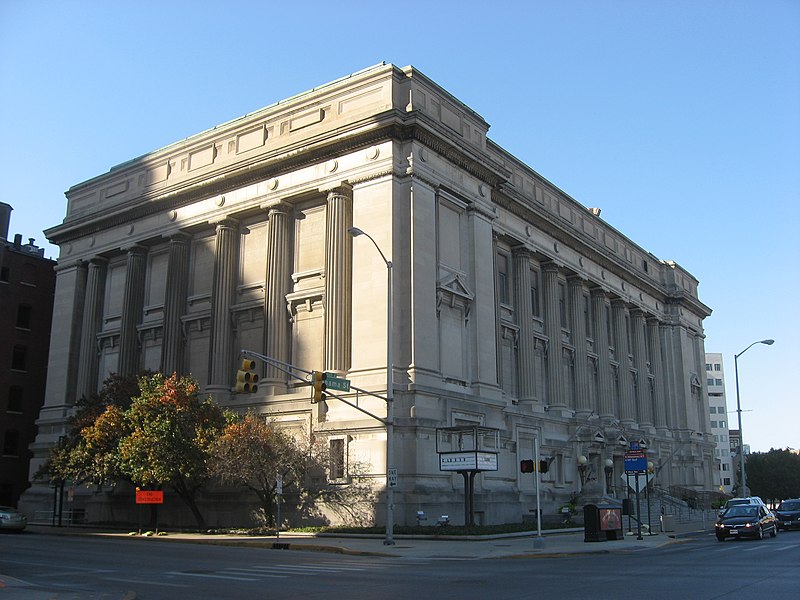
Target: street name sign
x=336, y=383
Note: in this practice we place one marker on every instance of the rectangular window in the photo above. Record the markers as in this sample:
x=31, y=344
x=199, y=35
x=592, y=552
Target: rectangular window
x=562, y=304
x=19, y=358
x=718, y=382
x=535, y=305
x=726, y=480
x=587, y=315
x=726, y=467
x=713, y=424
x=708, y=366
x=502, y=278
x=337, y=459
x=24, y=316
x=718, y=367
x=15, y=399
x=712, y=409
x=11, y=443
x=4, y=274
x=710, y=381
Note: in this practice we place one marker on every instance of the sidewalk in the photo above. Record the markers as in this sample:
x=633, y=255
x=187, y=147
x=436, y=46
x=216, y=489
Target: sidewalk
x=551, y=543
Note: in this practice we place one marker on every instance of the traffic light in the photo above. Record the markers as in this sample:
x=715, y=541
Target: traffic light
x=246, y=378
x=526, y=466
x=318, y=386
x=543, y=466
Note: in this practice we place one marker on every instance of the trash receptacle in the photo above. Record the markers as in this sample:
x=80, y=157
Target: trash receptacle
x=667, y=523
x=602, y=523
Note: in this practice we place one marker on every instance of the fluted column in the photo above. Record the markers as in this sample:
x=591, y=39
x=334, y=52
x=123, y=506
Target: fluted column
x=579, y=334
x=225, y=274
x=92, y=313
x=643, y=400
x=524, y=311
x=338, y=279
x=132, y=306
x=657, y=368
x=175, y=304
x=278, y=281
x=627, y=406
x=552, y=327
x=605, y=389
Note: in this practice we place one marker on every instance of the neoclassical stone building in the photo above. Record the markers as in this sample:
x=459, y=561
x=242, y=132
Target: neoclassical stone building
x=515, y=307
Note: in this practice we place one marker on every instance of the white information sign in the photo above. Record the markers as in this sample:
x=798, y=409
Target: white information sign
x=637, y=482
x=468, y=461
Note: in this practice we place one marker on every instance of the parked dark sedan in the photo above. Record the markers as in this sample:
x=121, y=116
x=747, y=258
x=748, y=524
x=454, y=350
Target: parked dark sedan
x=746, y=521
x=788, y=514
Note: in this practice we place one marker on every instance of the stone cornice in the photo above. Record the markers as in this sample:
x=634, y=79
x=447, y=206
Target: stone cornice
x=390, y=125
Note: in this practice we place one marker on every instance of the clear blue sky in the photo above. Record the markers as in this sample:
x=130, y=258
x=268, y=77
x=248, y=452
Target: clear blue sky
x=680, y=119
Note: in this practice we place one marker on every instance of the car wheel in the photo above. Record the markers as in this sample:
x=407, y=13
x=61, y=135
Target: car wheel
x=760, y=534
x=774, y=532
x=720, y=538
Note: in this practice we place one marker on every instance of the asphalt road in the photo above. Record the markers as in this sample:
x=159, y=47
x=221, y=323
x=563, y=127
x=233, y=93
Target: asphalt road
x=41, y=566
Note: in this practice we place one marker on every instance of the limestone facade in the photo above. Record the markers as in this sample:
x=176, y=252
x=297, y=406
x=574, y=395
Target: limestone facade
x=515, y=307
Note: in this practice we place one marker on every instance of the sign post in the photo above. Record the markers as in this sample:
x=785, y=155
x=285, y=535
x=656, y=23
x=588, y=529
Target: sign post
x=278, y=493
x=152, y=497
x=635, y=461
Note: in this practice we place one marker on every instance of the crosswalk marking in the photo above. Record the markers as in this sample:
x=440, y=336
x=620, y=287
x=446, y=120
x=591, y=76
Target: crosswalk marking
x=285, y=570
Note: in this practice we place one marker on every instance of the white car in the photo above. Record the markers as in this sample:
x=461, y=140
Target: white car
x=751, y=500
x=12, y=519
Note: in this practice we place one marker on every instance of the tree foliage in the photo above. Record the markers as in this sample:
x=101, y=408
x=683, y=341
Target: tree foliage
x=87, y=453
x=774, y=475
x=168, y=432
x=253, y=452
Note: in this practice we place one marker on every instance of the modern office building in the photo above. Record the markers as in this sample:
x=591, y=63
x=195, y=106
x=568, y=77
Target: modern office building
x=27, y=285
x=517, y=312
x=718, y=409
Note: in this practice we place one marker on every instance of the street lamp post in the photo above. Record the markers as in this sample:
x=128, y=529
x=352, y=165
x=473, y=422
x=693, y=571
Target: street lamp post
x=389, y=539
x=743, y=489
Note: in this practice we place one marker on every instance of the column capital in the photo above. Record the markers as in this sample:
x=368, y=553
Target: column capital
x=575, y=280
x=179, y=236
x=521, y=251
x=224, y=222
x=550, y=267
x=343, y=188
x=135, y=249
x=98, y=261
x=281, y=208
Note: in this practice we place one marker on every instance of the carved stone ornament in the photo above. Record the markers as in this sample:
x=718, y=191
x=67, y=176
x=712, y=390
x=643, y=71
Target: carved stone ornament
x=452, y=291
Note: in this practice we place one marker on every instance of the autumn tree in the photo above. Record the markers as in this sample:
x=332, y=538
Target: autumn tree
x=88, y=451
x=253, y=452
x=169, y=433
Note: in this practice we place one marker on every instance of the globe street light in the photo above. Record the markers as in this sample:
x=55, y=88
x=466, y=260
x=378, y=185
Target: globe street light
x=391, y=474
x=743, y=489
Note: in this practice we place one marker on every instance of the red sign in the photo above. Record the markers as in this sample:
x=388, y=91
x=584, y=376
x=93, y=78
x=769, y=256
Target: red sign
x=149, y=497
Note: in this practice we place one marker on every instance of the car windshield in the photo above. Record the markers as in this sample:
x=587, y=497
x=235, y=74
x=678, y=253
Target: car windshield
x=741, y=511
x=789, y=506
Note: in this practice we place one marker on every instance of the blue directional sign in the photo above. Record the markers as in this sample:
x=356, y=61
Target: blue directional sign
x=635, y=461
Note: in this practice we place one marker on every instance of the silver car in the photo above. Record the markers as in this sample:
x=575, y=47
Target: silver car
x=12, y=519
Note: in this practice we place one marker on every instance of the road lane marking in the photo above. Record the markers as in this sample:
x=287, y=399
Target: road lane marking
x=212, y=576
x=146, y=582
